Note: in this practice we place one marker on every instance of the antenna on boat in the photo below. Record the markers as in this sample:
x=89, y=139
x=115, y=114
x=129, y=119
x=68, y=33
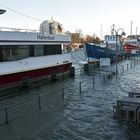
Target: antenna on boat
x=112, y=29
x=136, y=30
x=101, y=33
x=51, y=19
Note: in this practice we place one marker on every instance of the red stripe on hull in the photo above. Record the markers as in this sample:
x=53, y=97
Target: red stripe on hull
x=18, y=77
x=129, y=47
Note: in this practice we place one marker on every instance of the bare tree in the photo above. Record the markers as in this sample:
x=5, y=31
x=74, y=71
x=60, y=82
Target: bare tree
x=92, y=39
x=79, y=35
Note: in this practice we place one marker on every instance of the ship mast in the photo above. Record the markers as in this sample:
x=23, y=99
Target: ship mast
x=112, y=29
x=131, y=28
x=101, y=33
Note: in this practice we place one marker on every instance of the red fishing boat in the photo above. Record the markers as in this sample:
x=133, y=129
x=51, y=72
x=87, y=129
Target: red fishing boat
x=131, y=45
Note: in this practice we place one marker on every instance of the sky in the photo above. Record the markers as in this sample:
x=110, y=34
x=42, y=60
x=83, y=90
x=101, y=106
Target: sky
x=90, y=16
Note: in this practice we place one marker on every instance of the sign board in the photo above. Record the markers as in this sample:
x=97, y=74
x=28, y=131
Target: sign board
x=8, y=36
x=105, y=63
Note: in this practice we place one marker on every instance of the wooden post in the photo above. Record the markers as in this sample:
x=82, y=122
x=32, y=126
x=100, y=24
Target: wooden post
x=6, y=115
x=116, y=72
x=80, y=87
x=63, y=94
x=93, y=82
x=131, y=65
x=122, y=68
x=39, y=103
x=127, y=66
x=138, y=117
x=113, y=111
x=104, y=77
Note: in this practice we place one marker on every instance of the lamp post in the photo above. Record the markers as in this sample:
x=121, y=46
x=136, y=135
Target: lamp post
x=123, y=33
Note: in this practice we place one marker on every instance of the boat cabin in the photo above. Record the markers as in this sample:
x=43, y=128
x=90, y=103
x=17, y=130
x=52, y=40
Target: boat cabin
x=27, y=57
x=19, y=45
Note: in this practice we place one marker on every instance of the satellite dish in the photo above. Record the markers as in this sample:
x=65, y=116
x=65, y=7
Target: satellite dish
x=2, y=11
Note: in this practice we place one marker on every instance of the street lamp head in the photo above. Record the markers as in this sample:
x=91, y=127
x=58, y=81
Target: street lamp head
x=2, y=11
x=123, y=33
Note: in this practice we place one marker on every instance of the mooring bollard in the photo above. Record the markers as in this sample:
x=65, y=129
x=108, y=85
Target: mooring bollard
x=62, y=93
x=6, y=115
x=80, y=87
x=39, y=103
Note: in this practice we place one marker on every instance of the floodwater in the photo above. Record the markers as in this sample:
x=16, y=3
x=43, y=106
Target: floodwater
x=84, y=114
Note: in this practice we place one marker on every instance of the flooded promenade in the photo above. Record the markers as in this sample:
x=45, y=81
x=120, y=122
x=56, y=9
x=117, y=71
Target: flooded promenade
x=78, y=108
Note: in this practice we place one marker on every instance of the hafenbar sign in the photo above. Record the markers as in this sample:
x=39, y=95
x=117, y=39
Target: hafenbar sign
x=45, y=37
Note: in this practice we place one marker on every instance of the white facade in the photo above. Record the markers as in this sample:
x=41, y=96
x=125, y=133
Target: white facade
x=51, y=27
x=44, y=27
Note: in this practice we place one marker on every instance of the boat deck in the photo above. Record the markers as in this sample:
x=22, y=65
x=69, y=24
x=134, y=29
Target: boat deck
x=33, y=63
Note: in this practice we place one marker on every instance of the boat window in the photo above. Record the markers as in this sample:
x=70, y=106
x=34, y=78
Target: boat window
x=17, y=52
x=38, y=50
x=10, y=53
x=22, y=52
x=52, y=49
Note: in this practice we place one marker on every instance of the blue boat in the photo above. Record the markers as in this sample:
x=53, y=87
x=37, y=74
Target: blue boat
x=97, y=52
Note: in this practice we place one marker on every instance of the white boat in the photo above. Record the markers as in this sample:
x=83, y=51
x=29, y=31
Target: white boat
x=26, y=57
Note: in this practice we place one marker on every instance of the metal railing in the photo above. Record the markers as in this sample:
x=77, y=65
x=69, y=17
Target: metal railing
x=41, y=98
